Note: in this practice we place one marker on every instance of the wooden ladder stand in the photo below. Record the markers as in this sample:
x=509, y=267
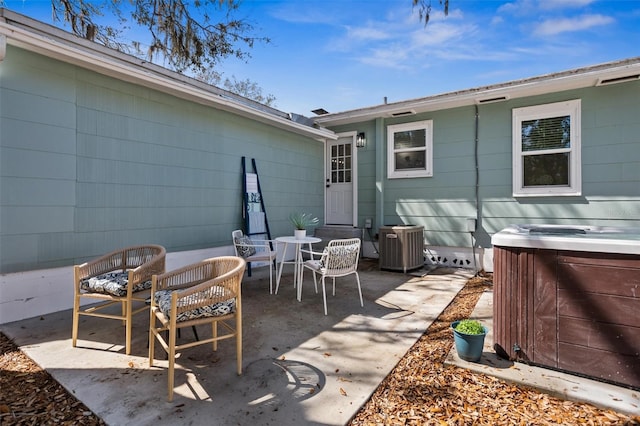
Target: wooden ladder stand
x=254, y=214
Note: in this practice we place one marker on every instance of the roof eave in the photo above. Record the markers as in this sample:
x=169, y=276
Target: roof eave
x=35, y=38
x=568, y=80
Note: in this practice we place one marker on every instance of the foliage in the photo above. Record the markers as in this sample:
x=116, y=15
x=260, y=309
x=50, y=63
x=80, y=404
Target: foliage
x=424, y=9
x=468, y=326
x=303, y=220
x=183, y=33
x=248, y=89
x=245, y=88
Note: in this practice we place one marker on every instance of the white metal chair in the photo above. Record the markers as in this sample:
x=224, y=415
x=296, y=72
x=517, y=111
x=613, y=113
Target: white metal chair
x=207, y=292
x=338, y=259
x=255, y=251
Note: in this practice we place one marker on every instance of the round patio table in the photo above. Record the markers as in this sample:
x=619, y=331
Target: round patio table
x=297, y=262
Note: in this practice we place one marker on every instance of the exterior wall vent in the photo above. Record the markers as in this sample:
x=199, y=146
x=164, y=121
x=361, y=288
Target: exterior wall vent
x=614, y=80
x=401, y=247
x=402, y=114
x=492, y=100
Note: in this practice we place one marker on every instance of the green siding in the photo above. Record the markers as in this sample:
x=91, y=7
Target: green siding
x=610, y=170
x=89, y=164
x=440, y=203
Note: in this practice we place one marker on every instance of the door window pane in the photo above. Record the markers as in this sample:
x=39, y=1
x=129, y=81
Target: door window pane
x=341, y=163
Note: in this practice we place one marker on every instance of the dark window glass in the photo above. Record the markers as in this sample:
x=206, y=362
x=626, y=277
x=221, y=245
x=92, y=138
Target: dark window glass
x=410, y=160
x=546, y=170
x=546, y=133
x=410, y=139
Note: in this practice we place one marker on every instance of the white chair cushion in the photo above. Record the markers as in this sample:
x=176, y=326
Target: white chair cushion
x=316, y=265
x=113, y=283
x=163, y=300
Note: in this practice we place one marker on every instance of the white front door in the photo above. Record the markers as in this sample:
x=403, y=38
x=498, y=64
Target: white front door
x=340, y=180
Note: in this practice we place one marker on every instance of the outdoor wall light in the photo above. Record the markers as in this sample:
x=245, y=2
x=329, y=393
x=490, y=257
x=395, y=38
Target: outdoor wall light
x=361, y=141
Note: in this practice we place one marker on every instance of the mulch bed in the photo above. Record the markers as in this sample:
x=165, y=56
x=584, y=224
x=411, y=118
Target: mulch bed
x=30, y=396
x=421, y=390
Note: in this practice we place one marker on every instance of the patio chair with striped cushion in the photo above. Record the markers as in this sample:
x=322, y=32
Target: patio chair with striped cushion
x=207, y=292
x=120, y=277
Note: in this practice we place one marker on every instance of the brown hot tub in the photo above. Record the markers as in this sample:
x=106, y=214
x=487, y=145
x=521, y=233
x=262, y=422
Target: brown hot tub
x=569, y=298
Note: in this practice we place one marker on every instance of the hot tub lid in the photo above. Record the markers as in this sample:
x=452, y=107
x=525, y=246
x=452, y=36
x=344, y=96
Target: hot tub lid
x=568, y=237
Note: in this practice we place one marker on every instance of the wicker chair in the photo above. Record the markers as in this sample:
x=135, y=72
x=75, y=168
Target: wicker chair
x=122, y=276
x=338, y=259
x=207, y=292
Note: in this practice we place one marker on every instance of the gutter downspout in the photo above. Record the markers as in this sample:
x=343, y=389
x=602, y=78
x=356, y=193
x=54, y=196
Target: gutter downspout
x=477, y=141
x=477, y=188
x=3, y=46
x=380, y=172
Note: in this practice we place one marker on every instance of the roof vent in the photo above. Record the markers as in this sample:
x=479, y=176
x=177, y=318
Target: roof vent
x=402, y=114
x=492, y=100
x=614, y=80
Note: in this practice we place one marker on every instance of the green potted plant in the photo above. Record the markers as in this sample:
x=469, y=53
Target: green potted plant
x=468, y=336
x=300, y=223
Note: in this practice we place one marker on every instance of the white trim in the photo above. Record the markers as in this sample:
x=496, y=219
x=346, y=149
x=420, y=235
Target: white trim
x=540, y=85
x=39, y=292
x=571, y=108
x=427, y=126
x=354, y=175
x=354, y=179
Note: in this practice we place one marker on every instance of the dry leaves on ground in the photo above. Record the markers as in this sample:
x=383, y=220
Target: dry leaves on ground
x=30, y=396
x=421, y=390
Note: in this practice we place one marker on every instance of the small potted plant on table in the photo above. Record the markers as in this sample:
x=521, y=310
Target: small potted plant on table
x=468, y=336
x=300, y=223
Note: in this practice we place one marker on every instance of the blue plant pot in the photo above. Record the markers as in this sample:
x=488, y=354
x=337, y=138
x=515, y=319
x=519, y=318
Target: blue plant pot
x=468, y=346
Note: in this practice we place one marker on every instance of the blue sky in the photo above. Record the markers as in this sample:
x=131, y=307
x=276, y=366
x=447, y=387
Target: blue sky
x=341, y=54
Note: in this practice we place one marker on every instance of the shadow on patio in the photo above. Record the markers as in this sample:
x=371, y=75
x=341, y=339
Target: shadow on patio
x=300, y=366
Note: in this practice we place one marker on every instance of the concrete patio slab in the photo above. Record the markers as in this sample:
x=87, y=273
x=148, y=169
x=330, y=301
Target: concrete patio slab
x=300, y=366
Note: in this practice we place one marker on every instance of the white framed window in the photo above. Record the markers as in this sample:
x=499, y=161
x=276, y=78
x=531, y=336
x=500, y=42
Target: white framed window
x=410, y=150
x=546, y=150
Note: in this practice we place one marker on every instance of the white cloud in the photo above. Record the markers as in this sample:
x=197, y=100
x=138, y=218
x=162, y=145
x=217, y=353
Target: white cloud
x=388, y=57
x=441, y=34
x=409, y=48
x=399, y=41
x=527, y=7
x=564, y=4
x=518, y=7
x=563, y=25
x=303, y=14
x=497, y=20
x=367, y=33
x=351, y=38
